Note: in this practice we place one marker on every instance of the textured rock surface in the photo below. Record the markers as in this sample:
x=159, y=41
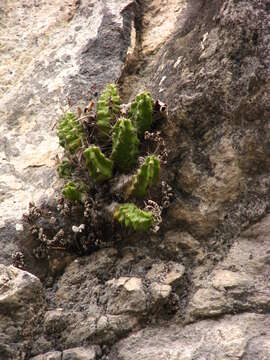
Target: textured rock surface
x=232, y=337
x=68, y=51
x=21, y=305
x=198, y=290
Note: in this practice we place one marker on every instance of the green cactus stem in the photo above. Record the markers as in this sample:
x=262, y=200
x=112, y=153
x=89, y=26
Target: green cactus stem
x=65, y=169
x=72, y=192
x=141, y=112
x=125, y=146
x=99, y=167
x=70, y=133
x=133, y=217
x=108, y=107
x=146, y=176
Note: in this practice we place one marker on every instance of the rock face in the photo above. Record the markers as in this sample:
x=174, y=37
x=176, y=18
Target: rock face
x=21, y=306
x=199, y=289
x=68, y=51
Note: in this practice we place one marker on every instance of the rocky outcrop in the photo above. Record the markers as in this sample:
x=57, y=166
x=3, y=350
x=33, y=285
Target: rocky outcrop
x=243, y=336
x=199, y=288
x=68, y=51
x=21, y=309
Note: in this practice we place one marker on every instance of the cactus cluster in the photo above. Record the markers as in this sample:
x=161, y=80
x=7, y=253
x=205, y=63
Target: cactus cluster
x=120, y=137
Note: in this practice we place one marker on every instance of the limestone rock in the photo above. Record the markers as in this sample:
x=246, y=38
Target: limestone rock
x=231, y=337
x=167, y=273
x=51, y=355
x=68, y=51
x=80, y=353
x=128, y=296
x=21, y=305
x=238, y=281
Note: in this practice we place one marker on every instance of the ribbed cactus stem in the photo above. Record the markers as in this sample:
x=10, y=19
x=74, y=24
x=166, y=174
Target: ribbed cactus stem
x=133, y=217
x=72, y=192
x=98, y=165
x=141, y=112
x=146, y=176
x=125, y=145
x=70, y=133
x=65, y=169
x=108, y=107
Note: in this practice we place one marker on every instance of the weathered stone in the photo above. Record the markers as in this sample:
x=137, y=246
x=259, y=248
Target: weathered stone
x=69, y=50
x=159, y=292
x=238, y=281
x=18, y=288
x=21, y=305
x=51, y=355
x=231, y=337
x=210, y=63
x=167, y=273
x=54, y=321
x=128, y=296
x=80, y=353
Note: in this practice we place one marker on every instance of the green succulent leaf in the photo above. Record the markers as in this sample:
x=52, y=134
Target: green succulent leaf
x=70, y=133
x=125, y=146
x=132, y=217
x=141, y=112
x=98, y=165
x=146, y=177
x=72, y=191
x=108, y=107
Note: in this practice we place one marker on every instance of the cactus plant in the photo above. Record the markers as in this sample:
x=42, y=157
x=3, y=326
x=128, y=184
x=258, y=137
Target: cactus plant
x=108, y=107
x=99, y=167
x=65, y=169
x=146, y=176
x=72, y=192
x=125, y=146
x=141, y=112
x=70, y=133
x=133, y=217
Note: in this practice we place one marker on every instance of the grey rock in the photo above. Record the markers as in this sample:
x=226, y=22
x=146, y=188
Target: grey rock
x=51, y=355
x=80, y=353
x=127, y=296
x=21, y=305
x=73, y=62
x=18, y=288
x=238, y=281
x=232, y=337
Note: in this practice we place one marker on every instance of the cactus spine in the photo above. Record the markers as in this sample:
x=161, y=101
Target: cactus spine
x=70, y=133
x=125, y=146
x=141, y=112
x=133, y=217
x=146, y=176
x=99, y=167
x=108, y=107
